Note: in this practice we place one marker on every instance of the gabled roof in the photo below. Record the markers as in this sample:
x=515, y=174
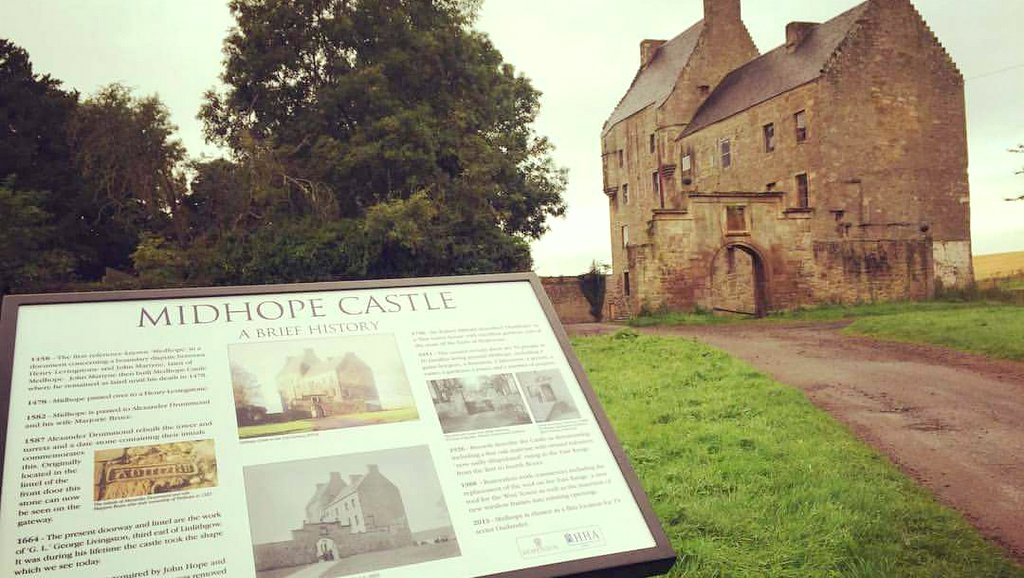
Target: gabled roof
x=776, y=72
x=654, y=83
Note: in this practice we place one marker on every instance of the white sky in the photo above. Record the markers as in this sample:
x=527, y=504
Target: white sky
x=582, y=54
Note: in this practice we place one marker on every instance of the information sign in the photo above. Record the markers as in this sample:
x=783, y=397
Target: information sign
x=424, y=427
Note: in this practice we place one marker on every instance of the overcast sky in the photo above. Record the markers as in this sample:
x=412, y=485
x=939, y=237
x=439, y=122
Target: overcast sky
x=582, y=54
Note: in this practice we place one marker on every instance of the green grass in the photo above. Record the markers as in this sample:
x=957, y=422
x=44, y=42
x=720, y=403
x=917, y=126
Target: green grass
x=837, y=312
x=679, y=318
x=817, y=313
x=750, y=480
x=992, y=330
x=330, y=422
x=273, y=429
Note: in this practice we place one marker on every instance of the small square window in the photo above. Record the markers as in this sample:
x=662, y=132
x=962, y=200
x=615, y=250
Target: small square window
x=800, y=120
x=736, y=219
x=725, y=150
x=803, y=198
x=769, y=137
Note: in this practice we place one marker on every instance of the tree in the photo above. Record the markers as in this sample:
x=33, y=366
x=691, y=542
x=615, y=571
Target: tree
x=393, y=117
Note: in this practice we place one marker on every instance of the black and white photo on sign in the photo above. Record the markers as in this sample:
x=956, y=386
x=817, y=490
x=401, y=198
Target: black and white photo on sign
x=284, y=387
x=349, y=514
x=548, y=395
x=478, y=402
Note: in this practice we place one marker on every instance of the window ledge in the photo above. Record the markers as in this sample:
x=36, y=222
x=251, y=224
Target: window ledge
x=798, y=213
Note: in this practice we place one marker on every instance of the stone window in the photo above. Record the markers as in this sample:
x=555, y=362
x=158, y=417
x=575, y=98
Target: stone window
x=625, y=194
x=769, y=137
x=725, y=151
x=625, y=235
x=652, y=145
x=736, y=219
x=625, y=282
x=800, y=121
x=803, y=199
x=621, y=158
x=686, y=164
x=655, y=182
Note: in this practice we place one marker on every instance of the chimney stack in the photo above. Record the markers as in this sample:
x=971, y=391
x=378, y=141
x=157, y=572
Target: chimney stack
x=647, y=50
x=796, y=32
x=721, y=11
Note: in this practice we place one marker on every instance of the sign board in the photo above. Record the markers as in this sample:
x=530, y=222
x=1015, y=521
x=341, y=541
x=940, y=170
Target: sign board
x=425, y=427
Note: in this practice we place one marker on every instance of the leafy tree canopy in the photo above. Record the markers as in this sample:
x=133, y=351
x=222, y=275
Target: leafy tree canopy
x=394, y=114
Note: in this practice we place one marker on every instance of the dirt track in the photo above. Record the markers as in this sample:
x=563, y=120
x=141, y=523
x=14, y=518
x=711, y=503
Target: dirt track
x=952, y=421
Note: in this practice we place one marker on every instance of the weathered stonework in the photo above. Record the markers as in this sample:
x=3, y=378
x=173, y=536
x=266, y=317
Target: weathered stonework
x=705, y=157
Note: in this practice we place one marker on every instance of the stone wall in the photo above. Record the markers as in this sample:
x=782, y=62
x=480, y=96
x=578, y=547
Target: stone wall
x=301, y=549
x=570, y=303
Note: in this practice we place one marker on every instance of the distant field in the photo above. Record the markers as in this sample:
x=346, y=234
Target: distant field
x=998, y=265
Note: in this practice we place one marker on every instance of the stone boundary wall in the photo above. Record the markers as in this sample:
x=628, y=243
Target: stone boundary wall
x=570, y=303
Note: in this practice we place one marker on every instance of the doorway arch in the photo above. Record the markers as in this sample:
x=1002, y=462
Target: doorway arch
x=739, y=280
x=326, y=550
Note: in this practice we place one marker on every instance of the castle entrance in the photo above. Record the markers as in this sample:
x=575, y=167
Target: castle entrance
x=739, y=281
x=326, y=550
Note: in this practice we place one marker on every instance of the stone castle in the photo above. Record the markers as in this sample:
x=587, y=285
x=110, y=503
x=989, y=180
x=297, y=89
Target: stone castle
x=830, y=169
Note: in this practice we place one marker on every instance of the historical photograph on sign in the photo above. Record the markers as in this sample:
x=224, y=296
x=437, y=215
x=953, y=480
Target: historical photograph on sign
x=547, y=395
x=350, y=514
x=154, y=469
x=285, y=387
x=478, y=402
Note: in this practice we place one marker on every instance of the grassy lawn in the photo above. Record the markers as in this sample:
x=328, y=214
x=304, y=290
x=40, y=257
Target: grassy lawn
x=990, y=330
x=750, y=480
x=273, y=429
x=819, y=313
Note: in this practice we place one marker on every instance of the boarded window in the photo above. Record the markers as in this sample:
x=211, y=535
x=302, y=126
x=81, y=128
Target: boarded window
x=736, y=219
x=769, y=137
x=725, y=151
x=800, y=120
x=803, y=199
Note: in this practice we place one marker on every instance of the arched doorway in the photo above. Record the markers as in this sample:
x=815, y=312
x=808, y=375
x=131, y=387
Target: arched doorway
x=326, y=550
x=739, y=280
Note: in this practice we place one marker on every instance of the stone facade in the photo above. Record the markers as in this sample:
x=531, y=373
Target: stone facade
x=831, y=169
x=321, y=387
x=342, y=519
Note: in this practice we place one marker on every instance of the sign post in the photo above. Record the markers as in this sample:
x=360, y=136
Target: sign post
x=427, y=427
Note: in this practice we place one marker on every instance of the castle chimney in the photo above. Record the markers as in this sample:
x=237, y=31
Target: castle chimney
x=796, y=32
x=372, y=469
x=647, y=50
x=354, y=479
x=721, y=11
